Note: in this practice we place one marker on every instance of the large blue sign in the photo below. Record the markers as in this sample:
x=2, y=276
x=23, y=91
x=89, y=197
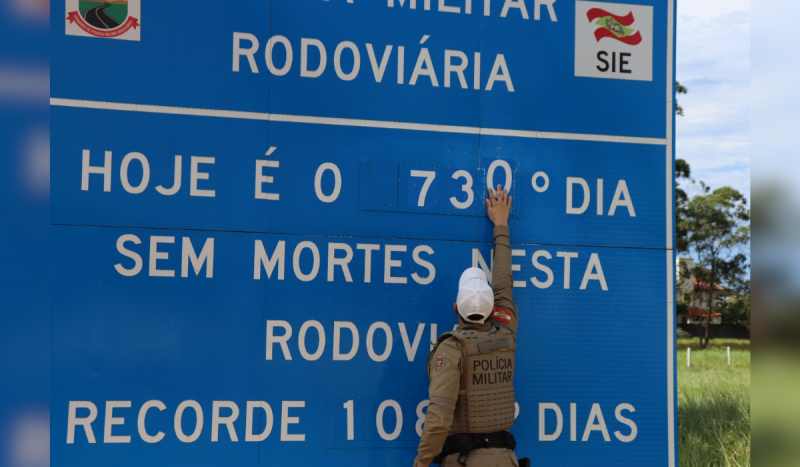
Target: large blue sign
x=260, y=211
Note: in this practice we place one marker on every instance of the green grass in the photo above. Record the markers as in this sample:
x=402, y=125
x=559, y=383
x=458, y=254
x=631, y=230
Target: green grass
x=714, y=404
x=118, y=12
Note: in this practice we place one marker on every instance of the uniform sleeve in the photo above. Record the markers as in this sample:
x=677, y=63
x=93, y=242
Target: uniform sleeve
x=444, y=370
x=502, y=281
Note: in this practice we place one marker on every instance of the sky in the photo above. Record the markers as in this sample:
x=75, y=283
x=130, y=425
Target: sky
x=775, y=98
x=713, y=62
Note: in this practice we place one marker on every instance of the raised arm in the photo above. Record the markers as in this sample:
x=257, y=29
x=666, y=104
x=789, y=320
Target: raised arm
x=498, y=207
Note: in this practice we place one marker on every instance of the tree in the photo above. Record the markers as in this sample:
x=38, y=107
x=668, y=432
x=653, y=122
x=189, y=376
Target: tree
x=736, y=309
x=682, y=171
x=679, y=89
x=717, y=226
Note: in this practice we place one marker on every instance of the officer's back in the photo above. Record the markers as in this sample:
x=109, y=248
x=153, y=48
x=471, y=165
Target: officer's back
x=471, y=369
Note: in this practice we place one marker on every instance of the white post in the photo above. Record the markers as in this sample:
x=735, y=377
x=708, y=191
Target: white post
x=729, y=355
x=688, y=356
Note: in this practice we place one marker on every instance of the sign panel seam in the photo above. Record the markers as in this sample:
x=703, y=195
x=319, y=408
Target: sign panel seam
x=243, y=115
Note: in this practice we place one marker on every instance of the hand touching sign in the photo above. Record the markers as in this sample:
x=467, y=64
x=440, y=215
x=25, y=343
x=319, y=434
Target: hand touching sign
x=498, y=205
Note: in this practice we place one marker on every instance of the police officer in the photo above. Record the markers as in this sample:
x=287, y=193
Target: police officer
x=471, y=369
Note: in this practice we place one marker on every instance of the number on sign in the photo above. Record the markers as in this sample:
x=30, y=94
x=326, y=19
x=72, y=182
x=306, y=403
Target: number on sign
x=421, y=416
x=467, y=187
x=490, y=174
x=398, y=426
x=429, y=175
x=350, y=423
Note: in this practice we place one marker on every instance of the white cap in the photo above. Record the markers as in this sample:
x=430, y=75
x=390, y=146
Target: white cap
x=475, y=298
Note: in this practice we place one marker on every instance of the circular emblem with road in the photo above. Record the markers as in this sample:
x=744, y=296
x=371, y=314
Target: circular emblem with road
x=105, y=15
x=117, y=19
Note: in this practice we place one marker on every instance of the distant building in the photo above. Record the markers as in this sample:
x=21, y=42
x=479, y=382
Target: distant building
x=693, y=292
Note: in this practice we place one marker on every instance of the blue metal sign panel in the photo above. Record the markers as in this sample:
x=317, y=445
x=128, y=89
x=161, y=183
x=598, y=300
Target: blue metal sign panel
x=260, y=212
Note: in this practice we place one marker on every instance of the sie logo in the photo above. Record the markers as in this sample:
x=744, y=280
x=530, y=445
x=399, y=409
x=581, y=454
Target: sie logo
x=108, y=19
x=614, y=40
x=614, y=26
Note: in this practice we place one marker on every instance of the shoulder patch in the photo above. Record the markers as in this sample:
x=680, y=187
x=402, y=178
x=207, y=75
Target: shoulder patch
x=501, y=315
x=440, y=360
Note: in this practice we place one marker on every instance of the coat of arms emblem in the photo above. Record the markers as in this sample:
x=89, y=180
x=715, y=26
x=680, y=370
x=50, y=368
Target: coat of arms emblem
x=109, y=19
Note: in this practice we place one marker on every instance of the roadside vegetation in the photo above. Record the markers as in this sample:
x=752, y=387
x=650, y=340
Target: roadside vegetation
x=714, y=404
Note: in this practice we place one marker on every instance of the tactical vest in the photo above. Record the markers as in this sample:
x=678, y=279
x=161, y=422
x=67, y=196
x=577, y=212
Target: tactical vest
x=485, y=401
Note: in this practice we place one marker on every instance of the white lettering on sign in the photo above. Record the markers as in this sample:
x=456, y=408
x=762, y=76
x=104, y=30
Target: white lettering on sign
x=550, y=430
x=178, y=425
x=466, y=187
x=146, y=437
x=370, y=341
x=176, y=181
x=249, y=436
x=429, y=176
x=286, y=420
x=455, y=6
x=85, y=422
x=390, y=263
x=261, y=179
x=136, y=187
x=188, y=255
x=196, y=175
x=307, y=262
x=596, y=422
x=249, y=52
x=225, y=413
x=541, y=267
x=217, y=420
x=626, y=421
x=351, y=430
x=104, y=170
x=425, y=264
x=281, y=340
x=379, y=69
x=543, y=407
x=490, y=174
x=592, y=272
x=571, y=209
x=398, y=420
x=337, y=338
x=567, y=255
x=280, y=332
x=337, y=182
x=111, y=420
x=339, y=256
x=622, y=197
x=302, y=340
x=323, y=58
x=156, y=255
x=262, y=260
x=137, y=260
x=411, y=349
x=310, y=246
x=113, y=417
x=123, y=172
x=428, y=66
x=333, y=260
x=206, y=257
x=337, y=59
x=268, y=49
